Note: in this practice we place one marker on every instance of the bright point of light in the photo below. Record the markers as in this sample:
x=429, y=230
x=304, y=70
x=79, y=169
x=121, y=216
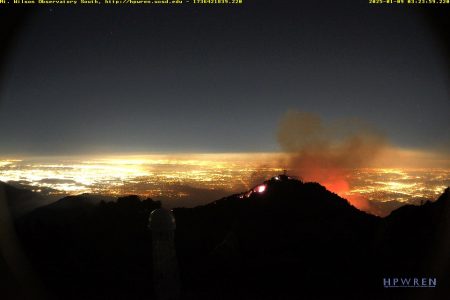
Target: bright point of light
x=261, y=188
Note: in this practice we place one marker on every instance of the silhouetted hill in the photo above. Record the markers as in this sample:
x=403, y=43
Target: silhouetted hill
x=83, y=200
x=21, y=201
x=289, y=227
x=299, y=240
x=69, y=208
x=286, y=240
x=421, y=234
x=84, y=250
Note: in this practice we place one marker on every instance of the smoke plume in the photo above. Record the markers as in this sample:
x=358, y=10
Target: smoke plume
x=328, y=152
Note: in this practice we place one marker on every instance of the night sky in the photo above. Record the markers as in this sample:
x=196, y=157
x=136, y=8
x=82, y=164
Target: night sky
x=219, y=79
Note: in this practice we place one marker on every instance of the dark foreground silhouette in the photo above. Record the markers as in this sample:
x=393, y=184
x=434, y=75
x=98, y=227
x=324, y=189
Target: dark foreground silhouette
x=293, y=241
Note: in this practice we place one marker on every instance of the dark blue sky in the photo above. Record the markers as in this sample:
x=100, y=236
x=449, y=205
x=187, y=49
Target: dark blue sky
x=219, y=79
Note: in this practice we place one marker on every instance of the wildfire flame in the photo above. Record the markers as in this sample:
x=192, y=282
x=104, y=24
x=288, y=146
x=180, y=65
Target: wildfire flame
x=261, y=188
x=326, y=153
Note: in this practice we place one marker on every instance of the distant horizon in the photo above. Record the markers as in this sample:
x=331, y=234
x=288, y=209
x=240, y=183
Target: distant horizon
x=195, y=179
x=391, y=156
x=162, y=108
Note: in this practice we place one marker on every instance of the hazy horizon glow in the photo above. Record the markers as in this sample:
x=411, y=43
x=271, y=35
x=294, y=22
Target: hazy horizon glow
x=193, y=179
x=149, y=175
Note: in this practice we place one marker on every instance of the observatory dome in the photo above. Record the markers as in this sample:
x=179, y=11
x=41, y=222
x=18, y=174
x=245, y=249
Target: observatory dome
x=161, y=220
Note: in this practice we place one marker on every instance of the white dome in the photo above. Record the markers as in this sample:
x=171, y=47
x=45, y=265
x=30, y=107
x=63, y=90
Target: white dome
x=161, y=220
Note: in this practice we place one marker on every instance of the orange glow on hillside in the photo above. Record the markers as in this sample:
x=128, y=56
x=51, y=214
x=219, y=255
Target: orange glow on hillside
x=208, y=177
x=261, y=188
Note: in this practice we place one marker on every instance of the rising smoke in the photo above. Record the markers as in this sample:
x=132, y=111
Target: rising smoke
x=328, y=152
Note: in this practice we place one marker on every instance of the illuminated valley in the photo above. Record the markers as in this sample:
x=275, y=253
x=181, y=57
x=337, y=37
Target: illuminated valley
x=204, y=177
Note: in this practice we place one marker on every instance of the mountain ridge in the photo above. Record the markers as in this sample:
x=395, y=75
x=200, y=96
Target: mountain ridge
x=244, y=246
